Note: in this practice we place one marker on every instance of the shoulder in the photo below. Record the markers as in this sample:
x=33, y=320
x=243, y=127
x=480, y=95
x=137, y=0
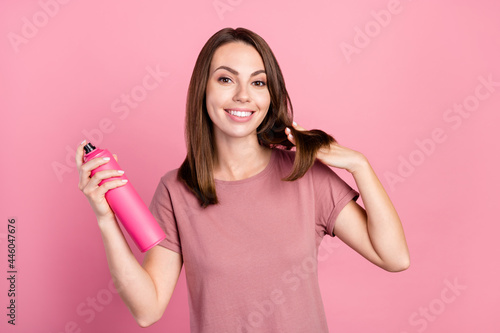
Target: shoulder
x=175, y=187
x=170, y=176
x=170, y=189
x=170, y=180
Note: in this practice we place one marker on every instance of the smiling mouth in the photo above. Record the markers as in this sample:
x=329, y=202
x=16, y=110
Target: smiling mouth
x=241, y=114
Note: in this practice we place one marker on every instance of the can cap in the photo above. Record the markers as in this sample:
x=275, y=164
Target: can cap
x=88, y=148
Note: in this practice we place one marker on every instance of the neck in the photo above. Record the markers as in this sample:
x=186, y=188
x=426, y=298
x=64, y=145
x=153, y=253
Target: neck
x=240, y=158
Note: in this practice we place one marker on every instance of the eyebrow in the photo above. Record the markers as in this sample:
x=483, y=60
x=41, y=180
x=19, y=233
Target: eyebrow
x=234, y=72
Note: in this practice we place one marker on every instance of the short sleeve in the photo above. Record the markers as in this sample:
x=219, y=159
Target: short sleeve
x=162, y=210
x=331, y=194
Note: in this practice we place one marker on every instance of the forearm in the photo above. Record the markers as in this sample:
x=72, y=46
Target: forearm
x=383, y=224
x=134, y=284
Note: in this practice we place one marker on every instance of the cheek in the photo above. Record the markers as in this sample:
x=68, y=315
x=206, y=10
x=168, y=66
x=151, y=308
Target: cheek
x=214, y=98
x=210, y=98
x=264, y=101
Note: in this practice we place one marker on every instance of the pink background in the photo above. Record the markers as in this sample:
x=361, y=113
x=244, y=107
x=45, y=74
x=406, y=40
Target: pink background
x=64, y=80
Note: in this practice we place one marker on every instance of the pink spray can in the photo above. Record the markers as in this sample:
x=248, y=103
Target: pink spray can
x=127, y=205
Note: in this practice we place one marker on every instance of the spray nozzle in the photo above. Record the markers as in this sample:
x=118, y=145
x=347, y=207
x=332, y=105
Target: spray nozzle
x=88, y=148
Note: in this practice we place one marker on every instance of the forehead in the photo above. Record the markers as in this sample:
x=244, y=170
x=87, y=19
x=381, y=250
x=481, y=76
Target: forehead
x=237, y=55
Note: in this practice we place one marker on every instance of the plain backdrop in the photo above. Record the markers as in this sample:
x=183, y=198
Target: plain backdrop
x=413, y=85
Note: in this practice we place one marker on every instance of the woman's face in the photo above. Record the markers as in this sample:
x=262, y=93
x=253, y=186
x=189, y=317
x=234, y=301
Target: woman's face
x=237, y=97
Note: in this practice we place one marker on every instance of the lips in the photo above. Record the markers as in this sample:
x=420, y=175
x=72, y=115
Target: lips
x=238, y=114
x=242, y=113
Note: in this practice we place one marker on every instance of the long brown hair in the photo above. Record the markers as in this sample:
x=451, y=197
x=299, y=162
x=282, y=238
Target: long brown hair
x=197, y=169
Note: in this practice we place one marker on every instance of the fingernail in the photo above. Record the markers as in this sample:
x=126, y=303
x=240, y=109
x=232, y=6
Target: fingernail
x=105, y=158
x=294, y=123
x=121, y=172
x=124, y=180
x=83, y=142
x=291, y=136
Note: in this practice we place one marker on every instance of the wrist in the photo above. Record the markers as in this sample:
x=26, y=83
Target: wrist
x=360, y=164
x=107, y=222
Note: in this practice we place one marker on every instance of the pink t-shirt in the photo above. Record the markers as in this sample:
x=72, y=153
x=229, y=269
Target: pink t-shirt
x=251, y=261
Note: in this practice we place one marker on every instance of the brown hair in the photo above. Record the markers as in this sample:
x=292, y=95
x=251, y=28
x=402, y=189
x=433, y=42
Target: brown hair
x=197, y=169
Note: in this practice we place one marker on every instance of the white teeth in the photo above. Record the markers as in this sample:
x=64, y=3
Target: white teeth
x=240, y=113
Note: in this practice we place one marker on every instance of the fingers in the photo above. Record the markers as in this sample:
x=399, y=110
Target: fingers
x=87, y=184
x=96, y=192
x=96, y=179
x=111, y=185
x=290, y=137
x=298, y=127
x=79, y=154
x=86, y=169
x=288, y=132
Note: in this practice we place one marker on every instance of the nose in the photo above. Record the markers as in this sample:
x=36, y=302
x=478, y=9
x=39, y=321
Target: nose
x=241, y=94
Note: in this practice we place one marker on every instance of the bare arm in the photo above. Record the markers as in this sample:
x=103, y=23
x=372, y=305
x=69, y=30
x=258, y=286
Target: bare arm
x=377, y=233
x=146, y=289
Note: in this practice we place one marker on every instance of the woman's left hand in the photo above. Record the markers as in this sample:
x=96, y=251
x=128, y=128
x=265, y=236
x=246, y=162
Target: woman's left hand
x=335, y=155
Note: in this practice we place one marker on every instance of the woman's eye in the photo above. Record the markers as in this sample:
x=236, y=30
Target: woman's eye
x=228, y=80
x=224, y=79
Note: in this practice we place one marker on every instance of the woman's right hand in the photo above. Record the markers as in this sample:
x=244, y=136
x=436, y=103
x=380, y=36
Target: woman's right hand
x=90, y=185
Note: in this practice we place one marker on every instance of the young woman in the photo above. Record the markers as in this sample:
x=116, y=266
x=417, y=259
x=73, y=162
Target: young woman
x=245, y=213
